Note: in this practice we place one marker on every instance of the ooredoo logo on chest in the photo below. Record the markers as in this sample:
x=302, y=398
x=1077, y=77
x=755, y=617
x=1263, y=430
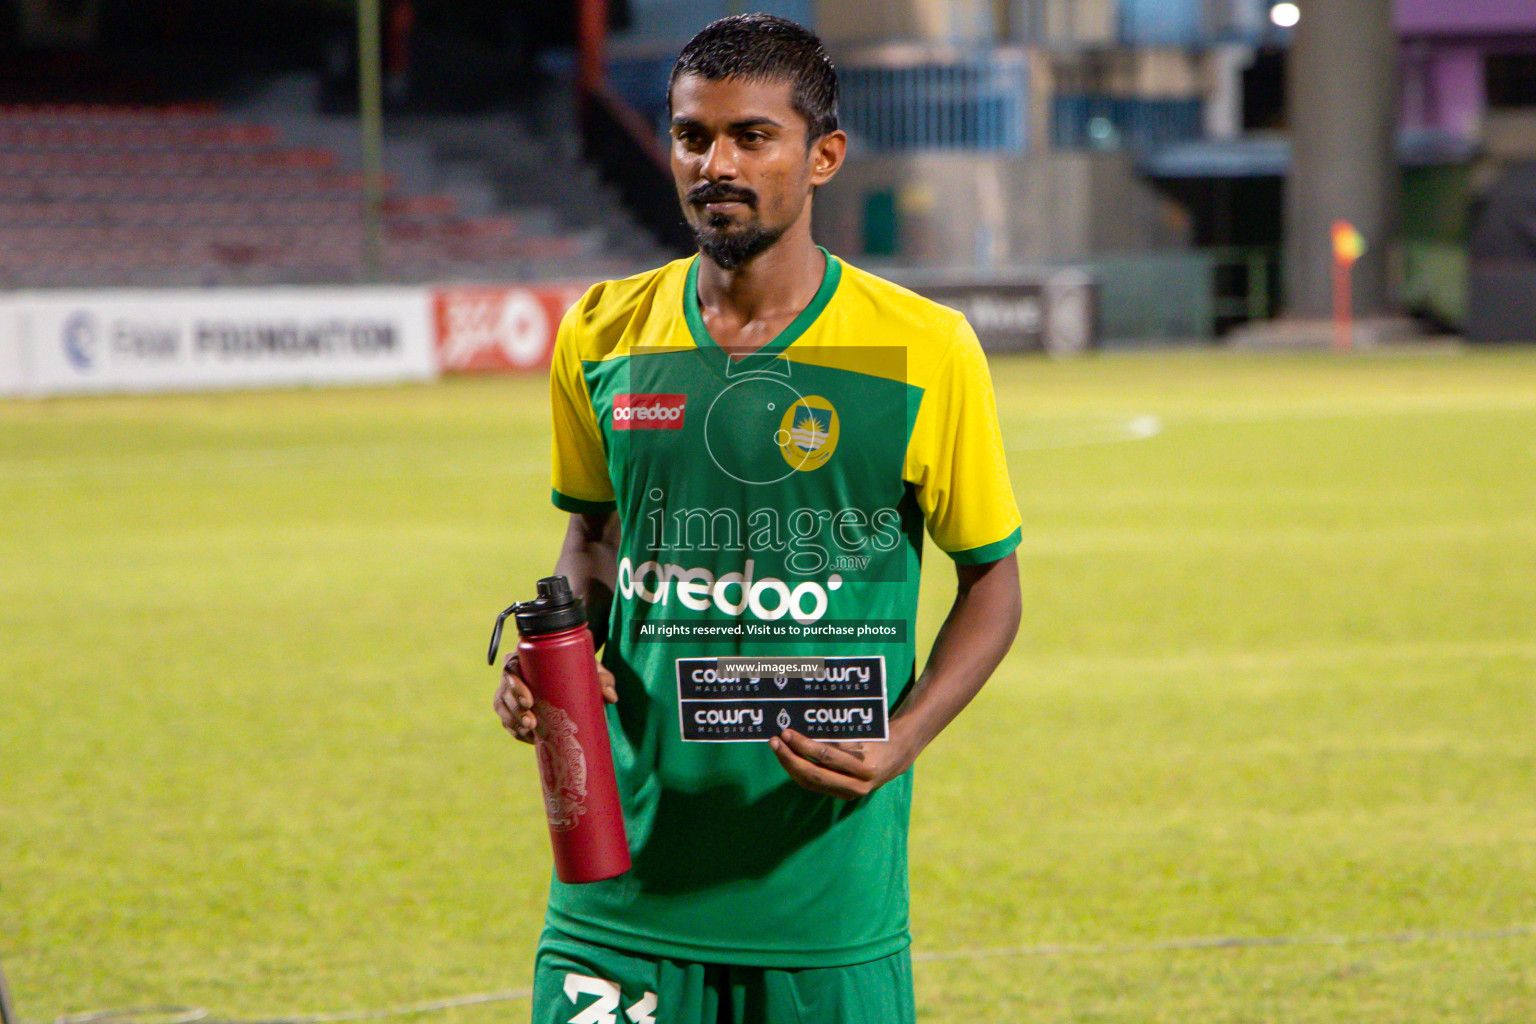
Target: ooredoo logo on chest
x=648, y=412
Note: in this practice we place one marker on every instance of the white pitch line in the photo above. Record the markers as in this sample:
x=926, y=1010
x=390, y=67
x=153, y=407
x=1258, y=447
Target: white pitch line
x=1077, y=541
x=1226, y=942
x=1296, y=658
x=1082, y=434
x=1050, y=949
x=1354, y=407
x=194, y=1015
x=1359, y=407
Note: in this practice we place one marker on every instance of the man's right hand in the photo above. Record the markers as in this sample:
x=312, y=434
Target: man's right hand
x=514, y=701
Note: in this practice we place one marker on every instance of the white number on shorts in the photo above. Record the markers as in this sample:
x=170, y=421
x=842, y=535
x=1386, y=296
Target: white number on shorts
x=641, y=1012
x=607, y=993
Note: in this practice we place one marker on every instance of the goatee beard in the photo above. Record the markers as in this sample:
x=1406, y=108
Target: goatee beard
x=733, y=249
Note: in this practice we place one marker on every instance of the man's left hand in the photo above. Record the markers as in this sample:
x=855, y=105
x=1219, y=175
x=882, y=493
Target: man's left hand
x=844, y=770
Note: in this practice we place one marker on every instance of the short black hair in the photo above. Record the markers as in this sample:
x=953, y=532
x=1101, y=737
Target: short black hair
x=764, y=47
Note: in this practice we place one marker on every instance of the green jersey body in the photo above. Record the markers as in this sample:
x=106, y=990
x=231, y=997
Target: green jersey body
x=772, y=508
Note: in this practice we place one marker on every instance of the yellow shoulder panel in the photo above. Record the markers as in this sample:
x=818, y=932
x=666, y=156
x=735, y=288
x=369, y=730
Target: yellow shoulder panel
x=614, y=317
x=876, y=327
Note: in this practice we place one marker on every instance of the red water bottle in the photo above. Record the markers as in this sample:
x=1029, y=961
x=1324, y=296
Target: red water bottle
x=556, y=658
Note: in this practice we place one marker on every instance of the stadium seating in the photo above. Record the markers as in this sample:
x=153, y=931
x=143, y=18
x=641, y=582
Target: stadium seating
x=108, y=196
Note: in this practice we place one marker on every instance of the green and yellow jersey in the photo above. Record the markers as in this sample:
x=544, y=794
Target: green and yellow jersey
x=772, y=507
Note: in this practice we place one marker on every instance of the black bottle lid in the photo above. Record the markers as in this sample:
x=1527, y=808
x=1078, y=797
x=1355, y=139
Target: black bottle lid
x=555, y=610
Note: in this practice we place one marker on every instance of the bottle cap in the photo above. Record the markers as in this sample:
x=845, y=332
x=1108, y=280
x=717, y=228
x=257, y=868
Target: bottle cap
x=555, y=610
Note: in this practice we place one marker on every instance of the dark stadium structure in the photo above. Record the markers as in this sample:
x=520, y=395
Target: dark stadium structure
x=442, y=54
x=186, y=143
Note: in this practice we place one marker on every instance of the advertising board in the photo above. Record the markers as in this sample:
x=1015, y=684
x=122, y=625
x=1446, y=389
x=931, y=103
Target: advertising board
x=1056, y=313
x=498, y=328
x=110, y=341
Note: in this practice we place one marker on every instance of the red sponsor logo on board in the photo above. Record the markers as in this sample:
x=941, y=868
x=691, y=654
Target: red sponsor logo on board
x=648, y=412
x=495, y=328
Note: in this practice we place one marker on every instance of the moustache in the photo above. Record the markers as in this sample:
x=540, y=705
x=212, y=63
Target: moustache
x=721, y=193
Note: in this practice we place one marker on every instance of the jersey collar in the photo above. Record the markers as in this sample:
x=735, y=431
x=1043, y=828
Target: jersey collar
x=694, y=315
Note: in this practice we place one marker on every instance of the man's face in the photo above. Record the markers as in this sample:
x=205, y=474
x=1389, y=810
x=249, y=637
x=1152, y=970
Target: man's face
x=743, y=170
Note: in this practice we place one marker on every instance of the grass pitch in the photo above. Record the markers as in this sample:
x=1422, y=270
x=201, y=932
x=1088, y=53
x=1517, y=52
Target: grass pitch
x=1264, y=751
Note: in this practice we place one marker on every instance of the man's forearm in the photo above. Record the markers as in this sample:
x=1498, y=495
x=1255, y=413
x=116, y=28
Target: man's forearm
x=589, y=558
x=972, y=642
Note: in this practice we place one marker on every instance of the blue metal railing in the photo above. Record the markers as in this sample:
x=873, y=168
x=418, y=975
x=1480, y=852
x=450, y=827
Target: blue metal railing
x=974, y=103
x=1117, y=122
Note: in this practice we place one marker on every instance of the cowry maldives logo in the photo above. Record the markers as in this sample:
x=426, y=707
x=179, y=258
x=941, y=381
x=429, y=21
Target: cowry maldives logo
x=807, y=435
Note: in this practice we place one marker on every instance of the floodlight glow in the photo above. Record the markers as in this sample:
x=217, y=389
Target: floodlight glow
x=1285, y=15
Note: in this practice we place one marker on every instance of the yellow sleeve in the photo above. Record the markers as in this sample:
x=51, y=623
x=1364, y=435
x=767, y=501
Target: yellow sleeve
x=956, y=461
x=580, y=464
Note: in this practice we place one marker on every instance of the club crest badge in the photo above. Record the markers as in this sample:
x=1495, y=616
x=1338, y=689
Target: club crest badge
x=563, y=766
x=807, y=435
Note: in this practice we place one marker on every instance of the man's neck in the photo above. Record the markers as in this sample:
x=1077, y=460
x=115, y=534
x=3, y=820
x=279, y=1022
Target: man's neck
x=746, y=308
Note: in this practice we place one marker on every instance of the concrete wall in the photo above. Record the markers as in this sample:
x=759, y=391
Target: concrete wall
x=1509, y=135
x=1147, y=73
x=981, y=210
x=864, y=22
x=1341, y=104
x=1079, y=22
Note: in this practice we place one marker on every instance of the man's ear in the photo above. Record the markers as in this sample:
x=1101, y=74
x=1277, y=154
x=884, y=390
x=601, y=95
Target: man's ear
x=827, y=155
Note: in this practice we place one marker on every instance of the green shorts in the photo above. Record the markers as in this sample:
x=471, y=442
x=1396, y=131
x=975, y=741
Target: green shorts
x=577, y=981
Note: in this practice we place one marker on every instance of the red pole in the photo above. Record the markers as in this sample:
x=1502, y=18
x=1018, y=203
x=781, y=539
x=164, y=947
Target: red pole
x=591, y=42
x=397, y=48
x=1343, y=306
